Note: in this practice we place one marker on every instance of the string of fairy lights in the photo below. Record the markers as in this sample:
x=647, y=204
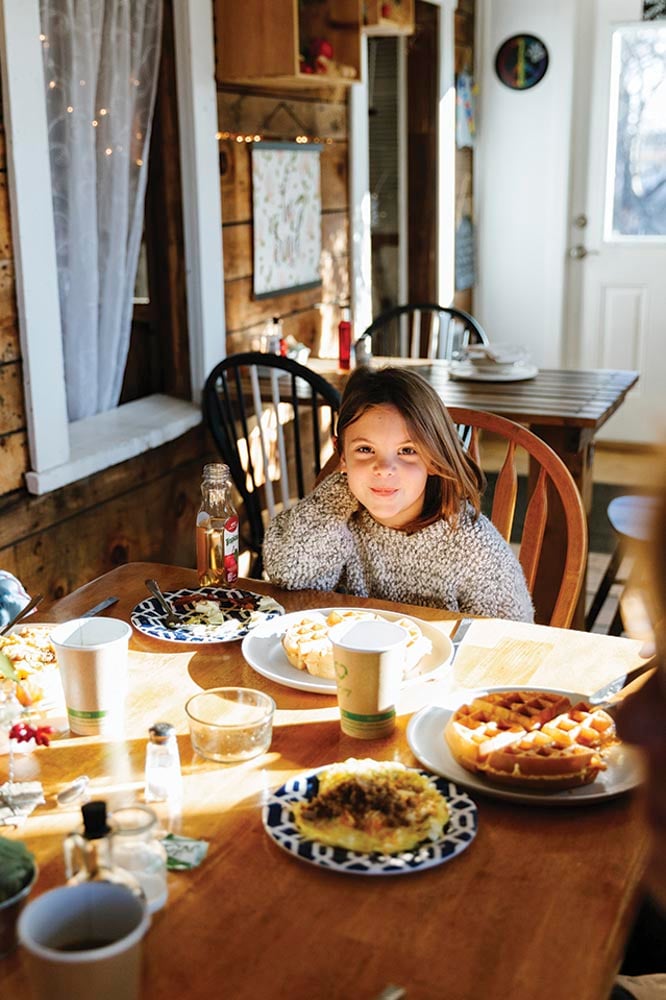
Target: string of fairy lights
x=241, y=137
x=103, y=114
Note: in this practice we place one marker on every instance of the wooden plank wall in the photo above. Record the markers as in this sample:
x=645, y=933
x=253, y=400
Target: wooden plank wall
x=311, y=316
x=464, y=60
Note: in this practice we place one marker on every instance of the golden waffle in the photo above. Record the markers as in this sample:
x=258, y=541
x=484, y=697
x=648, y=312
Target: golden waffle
x=308, y=646
x=530, y=739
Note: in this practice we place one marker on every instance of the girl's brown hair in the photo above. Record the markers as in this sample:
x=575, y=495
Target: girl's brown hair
x=453, y=477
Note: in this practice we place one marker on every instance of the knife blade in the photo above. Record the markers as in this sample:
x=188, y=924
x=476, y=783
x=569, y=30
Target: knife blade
x=106, y=603
x=459, y=635
x=608, y=690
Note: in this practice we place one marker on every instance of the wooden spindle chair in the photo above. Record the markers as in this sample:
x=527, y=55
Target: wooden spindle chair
x=547, y=469
x=272, y=420
x=423, y=330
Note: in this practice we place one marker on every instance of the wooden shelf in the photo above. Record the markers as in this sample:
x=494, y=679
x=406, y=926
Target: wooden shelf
x=389, y=17
x=262, y=41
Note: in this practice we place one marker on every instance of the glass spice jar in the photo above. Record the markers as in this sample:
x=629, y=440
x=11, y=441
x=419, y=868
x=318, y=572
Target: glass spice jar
x=136, y=848
x=217, y=529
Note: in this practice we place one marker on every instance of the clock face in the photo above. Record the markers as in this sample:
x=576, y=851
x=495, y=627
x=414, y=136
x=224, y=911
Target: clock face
x=521, y=61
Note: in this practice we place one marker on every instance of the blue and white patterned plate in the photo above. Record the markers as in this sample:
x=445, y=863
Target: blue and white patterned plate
x=237, y=613
x=457, y=835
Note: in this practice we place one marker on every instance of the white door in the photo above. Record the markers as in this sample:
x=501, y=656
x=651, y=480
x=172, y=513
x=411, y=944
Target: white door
x=617, y=252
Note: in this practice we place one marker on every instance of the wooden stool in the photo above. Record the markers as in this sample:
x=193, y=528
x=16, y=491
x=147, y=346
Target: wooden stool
x=631, y=517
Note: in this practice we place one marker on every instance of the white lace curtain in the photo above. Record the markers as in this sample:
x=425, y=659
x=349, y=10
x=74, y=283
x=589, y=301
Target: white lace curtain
x=101, y=59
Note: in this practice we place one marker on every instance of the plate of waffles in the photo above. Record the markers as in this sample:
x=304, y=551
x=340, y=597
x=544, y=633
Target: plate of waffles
x=295, y=651
x=540, y=746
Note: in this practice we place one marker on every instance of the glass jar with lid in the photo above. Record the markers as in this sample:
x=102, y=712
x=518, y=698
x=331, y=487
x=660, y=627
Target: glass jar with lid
x=136, y=848
x=217, y=529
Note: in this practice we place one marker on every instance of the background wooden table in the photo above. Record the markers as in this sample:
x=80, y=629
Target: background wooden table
x=538, y=906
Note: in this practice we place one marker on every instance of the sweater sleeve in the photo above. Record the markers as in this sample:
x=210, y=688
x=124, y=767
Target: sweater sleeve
x=307, y=546
x=492, y=582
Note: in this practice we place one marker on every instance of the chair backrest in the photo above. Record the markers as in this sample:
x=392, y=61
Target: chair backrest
x=548, y=472
x=270, y=417
x=423, y=330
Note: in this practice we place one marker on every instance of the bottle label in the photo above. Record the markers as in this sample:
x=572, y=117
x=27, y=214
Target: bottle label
x=231, y=548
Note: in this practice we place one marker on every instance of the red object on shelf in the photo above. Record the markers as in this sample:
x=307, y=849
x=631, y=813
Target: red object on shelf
x=386, y=10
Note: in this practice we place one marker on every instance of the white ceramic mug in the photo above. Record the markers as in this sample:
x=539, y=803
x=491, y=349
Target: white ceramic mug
x=92, y=656
x=84, y=940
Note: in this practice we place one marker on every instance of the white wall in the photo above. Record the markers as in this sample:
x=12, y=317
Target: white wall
x=522, y=180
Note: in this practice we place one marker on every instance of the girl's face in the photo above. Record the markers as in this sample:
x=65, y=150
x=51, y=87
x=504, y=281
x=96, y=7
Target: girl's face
x=385, y=470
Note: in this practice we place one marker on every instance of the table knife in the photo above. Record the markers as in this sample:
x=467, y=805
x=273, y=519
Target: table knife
x=459, y=635
x=99, y=607
x=603, y=694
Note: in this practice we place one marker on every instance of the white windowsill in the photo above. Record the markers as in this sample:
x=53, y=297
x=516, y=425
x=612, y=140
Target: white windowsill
x=109, y=438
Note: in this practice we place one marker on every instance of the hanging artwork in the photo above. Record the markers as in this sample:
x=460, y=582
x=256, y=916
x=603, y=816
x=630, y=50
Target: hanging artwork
x=521, y=61
x=653, y=10
x=286, y=204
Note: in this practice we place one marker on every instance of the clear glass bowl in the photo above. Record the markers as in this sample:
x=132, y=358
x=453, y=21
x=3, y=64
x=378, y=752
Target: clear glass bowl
x=230, y=724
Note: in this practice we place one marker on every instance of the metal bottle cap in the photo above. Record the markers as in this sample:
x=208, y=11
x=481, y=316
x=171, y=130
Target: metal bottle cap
x=161, y=731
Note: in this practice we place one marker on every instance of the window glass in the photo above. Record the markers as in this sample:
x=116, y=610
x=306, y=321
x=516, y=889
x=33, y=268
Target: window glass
x=637, y=198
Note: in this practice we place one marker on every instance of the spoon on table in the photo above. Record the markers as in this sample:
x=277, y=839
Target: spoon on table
x=171, y=619
x=22, y=613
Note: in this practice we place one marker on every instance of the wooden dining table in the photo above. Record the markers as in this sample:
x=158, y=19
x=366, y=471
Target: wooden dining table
x=538, y=905
x=564, y=407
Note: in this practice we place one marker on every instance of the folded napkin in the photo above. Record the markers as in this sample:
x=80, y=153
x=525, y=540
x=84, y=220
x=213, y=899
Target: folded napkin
x=17, y=801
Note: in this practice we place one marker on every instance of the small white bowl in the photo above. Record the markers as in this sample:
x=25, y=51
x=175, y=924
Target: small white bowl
x=230, y=724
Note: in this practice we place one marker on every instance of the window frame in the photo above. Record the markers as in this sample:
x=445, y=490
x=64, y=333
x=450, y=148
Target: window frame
x=62, y=452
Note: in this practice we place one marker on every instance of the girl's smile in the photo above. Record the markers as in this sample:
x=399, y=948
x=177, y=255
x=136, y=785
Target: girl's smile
x=384, y=467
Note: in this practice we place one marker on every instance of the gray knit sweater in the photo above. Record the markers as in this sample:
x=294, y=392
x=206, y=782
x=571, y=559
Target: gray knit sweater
x=328, y=541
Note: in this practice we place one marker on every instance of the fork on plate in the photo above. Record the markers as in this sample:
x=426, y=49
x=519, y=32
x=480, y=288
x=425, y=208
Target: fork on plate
x=171, y=618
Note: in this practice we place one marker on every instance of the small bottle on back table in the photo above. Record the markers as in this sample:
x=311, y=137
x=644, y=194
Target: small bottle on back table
x=217, y=529
x=345, y=341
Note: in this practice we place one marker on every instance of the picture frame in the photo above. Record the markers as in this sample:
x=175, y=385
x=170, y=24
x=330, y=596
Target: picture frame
x=286, y=205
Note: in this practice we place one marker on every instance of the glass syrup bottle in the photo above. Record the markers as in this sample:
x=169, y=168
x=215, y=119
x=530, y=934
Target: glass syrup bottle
x=217, y=529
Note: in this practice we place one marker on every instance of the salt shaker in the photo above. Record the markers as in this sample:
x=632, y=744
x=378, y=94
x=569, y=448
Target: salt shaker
x=163, y=780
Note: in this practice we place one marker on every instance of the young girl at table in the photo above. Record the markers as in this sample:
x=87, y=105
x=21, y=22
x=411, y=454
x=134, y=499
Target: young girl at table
x=400, y=519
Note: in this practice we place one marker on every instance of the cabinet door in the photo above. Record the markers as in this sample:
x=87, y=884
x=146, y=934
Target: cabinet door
x=303, y=42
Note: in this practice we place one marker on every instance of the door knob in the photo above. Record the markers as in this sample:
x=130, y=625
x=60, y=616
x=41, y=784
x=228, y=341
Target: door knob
x=579, y=251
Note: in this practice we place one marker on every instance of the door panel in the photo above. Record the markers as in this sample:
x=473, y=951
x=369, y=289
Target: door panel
x=620, y=253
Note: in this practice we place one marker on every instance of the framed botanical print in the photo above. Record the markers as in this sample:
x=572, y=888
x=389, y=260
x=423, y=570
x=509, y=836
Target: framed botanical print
x=286, y=205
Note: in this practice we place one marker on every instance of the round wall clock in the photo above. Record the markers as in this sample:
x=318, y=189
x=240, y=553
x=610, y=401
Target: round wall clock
x=521, y=61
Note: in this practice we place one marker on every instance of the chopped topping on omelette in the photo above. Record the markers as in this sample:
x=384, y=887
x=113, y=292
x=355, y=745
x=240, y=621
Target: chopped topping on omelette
x=373, y=806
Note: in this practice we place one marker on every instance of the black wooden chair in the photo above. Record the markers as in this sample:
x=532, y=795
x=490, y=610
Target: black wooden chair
x=272, y=420
x=423, y=330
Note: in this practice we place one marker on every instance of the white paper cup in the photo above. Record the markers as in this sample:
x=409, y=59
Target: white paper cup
x=368, y=657
x=92, y=656
x=51, y=927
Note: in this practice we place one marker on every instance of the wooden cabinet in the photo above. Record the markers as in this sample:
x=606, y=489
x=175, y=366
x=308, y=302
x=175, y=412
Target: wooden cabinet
x=288, y=42
x=388, y=17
